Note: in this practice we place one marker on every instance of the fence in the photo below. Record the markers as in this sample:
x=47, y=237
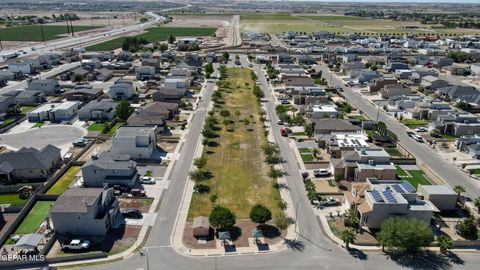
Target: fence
x=12, y=124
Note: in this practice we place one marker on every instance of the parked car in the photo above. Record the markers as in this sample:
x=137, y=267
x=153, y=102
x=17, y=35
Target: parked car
x=76, y=244
x=80, y=142
x=279, y=122
x=321, y=172
x=421, y=129
x=417, y=138
x=147, y=180
x=330, y=201
x=131, y=213
x=285, y=102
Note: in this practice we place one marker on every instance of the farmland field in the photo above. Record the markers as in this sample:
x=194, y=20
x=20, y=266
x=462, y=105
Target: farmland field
x=237, y=163
x=155, y=34
x=282, y=22
x=34, y=33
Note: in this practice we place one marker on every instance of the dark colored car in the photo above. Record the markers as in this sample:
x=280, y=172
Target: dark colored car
x=131, y=213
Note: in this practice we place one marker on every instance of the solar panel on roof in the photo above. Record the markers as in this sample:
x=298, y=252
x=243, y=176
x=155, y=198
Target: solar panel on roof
x=408, y=187
x=389, y=196
x=376, y=196
x=398, y=188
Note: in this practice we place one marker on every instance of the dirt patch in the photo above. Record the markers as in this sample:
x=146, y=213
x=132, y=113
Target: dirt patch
x=323, y=186
x=140, y=204
x=167, y=146
x=362, y=236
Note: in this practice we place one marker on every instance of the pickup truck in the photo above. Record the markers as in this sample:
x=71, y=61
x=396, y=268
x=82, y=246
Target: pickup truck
x=76, y=244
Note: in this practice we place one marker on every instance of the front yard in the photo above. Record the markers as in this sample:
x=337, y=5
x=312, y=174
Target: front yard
x=62, y=184
x=306, y=154
x=236, y=160
x=414, y=177
x=413, y=123
x=362, y=237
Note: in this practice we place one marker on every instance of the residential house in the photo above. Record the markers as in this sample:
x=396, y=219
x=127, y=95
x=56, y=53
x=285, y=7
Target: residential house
x=29, y=163
x=22, y=68
x=121, y=89
x=365, y=76
x=54, y=112
x=322, y=111
x=85, y=211
x=98, y=110
x=138, y=142
x=469, y=144
x=441, y=196
x=8, y=105
x=393, y=66
x=30, y=98
x=103, y=74
x=167, y=95
x=440, y=62
x=111, y=169
x=153, y=114
x=379, y=83
x=327, y=126
x=363, y=163
x=180, y=85
x=468, y=94
x=6, y=75
x=379, y=200
x=145, y=72
x=391, y=90
x=83, y=93
x=46, y=86
x=456, y=124
x=433, y=82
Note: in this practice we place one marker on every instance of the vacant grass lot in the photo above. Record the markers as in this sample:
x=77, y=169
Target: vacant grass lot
x=155, y=34
x=414, y=177
x=11, y=198
x=34, y=32
x=62, y=184
x=35, y=217
x=282, y=22
x=239, y=172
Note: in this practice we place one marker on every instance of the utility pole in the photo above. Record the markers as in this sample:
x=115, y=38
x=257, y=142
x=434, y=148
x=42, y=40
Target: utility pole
x=68, y=27
x=43, y=35
x=1, y=46
x=71, y=26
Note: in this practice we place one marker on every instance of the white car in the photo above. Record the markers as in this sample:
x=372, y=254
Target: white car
x=417, y=138
x=147, y=180
x=76, y=244
x=421, y=129
x=279, y=122
x=321, y=172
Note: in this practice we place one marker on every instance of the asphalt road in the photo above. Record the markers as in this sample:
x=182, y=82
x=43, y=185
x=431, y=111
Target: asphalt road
x=311, y=250
x=445, y=170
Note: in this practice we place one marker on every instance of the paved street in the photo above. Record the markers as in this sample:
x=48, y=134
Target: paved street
x=445, y=170
x=311, y=250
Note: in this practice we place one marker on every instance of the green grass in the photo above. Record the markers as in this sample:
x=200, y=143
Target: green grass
x=35, y=217
x=114, y=128
x=307, y=157
x=149, y=173
x=11, y=198
x=412, y=123
x=34, y=33
x=305, y=150
x=370, y=132
x=39, y=124
x=62, y=184
x=448, y=137
x=240, y=175
x=155, y=34
x=96, y=127
x=414, y=177
x=302, y=133
x=26, y=109
x=268, y=16
x=8, y=121
x=393, y=152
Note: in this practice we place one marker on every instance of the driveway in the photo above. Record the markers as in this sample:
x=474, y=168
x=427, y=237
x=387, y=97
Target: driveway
x=61, y=136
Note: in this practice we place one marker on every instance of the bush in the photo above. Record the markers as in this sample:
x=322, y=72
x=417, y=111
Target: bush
x=221, y=217
x=406, y=234
x=260, y=214
x=468, y=229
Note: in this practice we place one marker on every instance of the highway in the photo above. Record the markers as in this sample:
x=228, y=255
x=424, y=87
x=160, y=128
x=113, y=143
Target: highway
x=445, y=170
x=89, y=38
x=311, y=250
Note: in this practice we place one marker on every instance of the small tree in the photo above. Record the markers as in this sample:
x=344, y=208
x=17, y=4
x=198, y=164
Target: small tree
x=106, y=128
x=309, y=130
x=406, y=234
x=348, y=237
x=459, y=189
x=222, y=218
x=78, y=78
x=468, y=229
x=224, y=113
x=123, y=110
x=200, y=162
x=445, y=243
x=226, y=56
x=260, y=214
x=476, y=202
x=282, y=221
x=351, y=219
x=275, y=173
x=171, y=39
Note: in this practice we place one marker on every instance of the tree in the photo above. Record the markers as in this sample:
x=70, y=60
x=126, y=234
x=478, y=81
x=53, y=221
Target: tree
x=309, y=129
x=208, y=70
x=445, y=243
x=351, y=219
x=275, y=173
x=348, y=237
x=221, y=217
x=468, y=229
x=406, y=234
x=476, y=202
x=226, y=56
x=260, y=214
x=200, y=162
x=171, y=39
x=106, y=128
x=459, y=189
x=163, y=47
x=143, y=20
x=78, y=78
x=282, y=221
x=224, y=113
x=123, y=110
